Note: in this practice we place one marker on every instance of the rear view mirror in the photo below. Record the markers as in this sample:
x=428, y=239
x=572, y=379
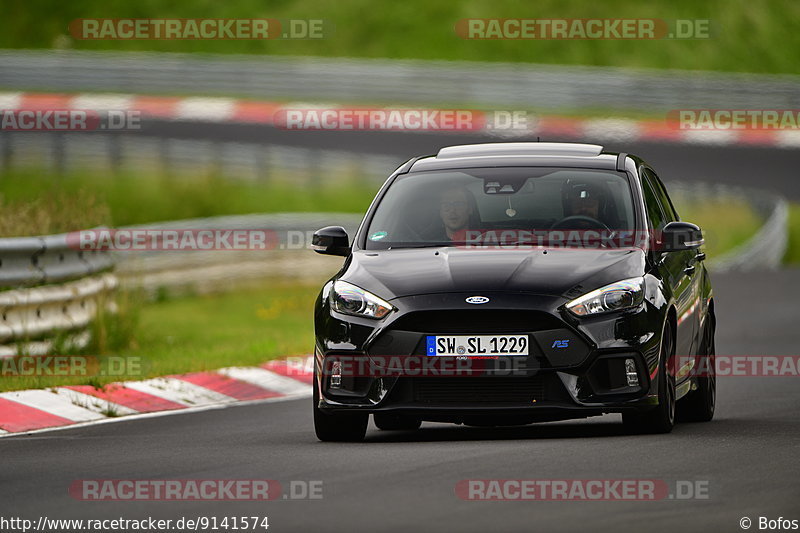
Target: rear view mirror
x=331, y=240
x=679, y=236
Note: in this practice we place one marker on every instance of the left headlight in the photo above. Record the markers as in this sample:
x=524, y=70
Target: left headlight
x=624, y=294
x=348, y=299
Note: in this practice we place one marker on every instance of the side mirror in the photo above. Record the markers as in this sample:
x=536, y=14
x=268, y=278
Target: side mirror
x=331, y=240
x=679, y=236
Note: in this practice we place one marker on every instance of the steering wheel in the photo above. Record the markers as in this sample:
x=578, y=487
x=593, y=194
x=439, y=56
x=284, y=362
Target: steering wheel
x=580, y=220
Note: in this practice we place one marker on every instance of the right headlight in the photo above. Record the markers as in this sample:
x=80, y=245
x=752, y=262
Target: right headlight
x=351, y=300
x=624, y=294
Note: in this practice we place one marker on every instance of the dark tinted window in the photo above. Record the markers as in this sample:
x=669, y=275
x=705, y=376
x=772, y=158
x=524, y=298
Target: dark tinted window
x=661, y=192
x=652, y=204
x=445, y=207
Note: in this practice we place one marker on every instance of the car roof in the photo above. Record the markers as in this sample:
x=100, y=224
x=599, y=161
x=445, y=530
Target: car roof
x=512, y=154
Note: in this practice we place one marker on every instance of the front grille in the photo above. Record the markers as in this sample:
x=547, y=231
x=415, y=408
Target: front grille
x=481, y=390
x=485, y=321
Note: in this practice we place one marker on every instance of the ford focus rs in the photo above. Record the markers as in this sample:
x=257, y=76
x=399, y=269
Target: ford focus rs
x=511, y=283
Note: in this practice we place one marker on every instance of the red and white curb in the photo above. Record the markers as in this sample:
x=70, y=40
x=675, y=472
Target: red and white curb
x=230, y=110
x=31, y=410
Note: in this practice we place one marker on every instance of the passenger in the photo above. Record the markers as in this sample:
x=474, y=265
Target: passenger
x=584, y=199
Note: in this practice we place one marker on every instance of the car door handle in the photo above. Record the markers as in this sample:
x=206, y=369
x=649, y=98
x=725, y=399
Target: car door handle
x=701, y=256
x=689, y=269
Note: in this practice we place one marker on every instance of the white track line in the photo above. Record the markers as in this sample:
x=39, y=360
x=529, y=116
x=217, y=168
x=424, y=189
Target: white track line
x=154, y=414
x=787, y=138
x=615, y=129
x=103, y=102
x=304, y=365
x=10, y=100
x=213, y=109
x=266, y=379
x=178, y=391
x=87, y=410
x=93, y=403
x=50, y=402
x=710, y=137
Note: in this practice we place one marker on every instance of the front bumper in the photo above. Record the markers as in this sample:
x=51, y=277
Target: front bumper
x=584, y=376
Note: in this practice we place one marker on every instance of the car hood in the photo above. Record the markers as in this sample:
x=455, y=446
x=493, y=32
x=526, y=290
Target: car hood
x=556, y=272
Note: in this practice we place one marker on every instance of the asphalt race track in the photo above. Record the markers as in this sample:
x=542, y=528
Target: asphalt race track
x=397, y=481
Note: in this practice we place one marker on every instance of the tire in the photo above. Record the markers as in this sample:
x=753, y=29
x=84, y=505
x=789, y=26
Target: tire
x=698, y=405
x=661, y=419
x=393, y=422
x=338, y=427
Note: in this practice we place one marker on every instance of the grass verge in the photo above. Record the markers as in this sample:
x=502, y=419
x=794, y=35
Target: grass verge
x=86, y=199
x=191, y=334
x=792, y=256
x=744, y=36
x=726, y=222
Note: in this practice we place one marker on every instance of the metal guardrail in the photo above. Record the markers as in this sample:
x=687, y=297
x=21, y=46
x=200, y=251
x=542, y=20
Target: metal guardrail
x=762, y=251
x=28, y=261
x=545, y=87
x=765, y=250
x=32, y=313
x=50, y=288
x=213, y=271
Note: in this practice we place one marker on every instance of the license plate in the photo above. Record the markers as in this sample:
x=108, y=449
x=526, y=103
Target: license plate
x=477, y=345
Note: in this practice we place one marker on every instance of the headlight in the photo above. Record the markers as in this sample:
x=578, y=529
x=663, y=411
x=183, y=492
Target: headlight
x=623, y=294
x=351, y=300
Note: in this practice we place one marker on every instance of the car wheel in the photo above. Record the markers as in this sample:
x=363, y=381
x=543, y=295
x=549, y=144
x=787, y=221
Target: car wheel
x=393, y=422
x=698, y=405
x=662, y=418
x=338, y=427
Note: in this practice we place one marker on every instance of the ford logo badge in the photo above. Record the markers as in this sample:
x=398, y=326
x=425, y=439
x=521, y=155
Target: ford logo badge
x=477, y=300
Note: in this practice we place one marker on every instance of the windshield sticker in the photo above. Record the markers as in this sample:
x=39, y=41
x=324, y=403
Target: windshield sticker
x=378, y=235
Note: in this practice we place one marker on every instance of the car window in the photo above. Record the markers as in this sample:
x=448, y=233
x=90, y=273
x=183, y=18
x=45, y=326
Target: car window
x=437, y=207
x=664, y=199
x=655, y=215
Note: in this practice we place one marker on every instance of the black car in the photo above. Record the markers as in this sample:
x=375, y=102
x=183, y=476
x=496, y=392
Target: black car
x=515, y=283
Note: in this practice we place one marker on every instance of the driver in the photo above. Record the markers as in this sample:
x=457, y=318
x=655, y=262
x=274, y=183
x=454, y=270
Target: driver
x=455, y=210
x=583, y=199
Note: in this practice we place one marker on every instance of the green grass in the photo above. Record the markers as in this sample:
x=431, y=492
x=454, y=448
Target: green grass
x=746, y=36
x=792, y=256
x=191, y=334
x=133, y=199
x=53, y=210
x=726, y=222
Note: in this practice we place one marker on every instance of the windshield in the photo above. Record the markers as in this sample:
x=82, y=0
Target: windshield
x=504, y=206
